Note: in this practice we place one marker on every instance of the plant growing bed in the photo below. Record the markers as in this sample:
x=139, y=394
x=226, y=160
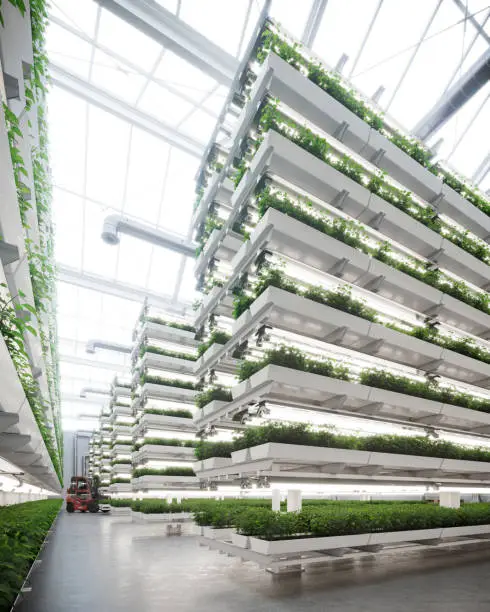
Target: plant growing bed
x=333, y=527
x=23, y=528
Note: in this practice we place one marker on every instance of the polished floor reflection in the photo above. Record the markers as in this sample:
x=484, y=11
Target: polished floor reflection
x=103, y=564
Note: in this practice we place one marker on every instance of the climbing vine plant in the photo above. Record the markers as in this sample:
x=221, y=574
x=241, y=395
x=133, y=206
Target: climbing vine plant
x=35, y=210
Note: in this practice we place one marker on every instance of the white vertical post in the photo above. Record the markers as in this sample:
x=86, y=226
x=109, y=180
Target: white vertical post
x=449, y=499
x=276, y=500
x=294, y=500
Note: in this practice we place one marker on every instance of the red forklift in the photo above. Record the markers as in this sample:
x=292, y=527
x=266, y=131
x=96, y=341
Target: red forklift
x=83, y=495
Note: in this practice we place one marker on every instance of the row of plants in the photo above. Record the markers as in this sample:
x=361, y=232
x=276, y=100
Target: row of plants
x=121, y=462
x=290, y=357
x=222, y=513
x=169, y=471
x=23, y=528
x=341, y=299
x=271, y=118
x=165, y=442
x=334, y=520
x=332, y=84
x=216, y=337
x=149, y=348
x=160, y=321
x=177, y=412
x=167, y=382
x=216, y=392
x=304, y=435
x=353, y=235
x=14, y=329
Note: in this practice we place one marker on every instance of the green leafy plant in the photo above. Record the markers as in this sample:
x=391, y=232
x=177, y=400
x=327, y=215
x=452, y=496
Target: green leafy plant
x=183, y=326
x=182, y=413
x=213, y=393
x=169, y=471
x=303, y=435
x=272, y=118
x=216, y=337
x=149, y=348
x=290, y=357
x=165, y=442
x=23, y=528
x=353, y=235
x=349, y=519
x=167, y=382
x=272, y=40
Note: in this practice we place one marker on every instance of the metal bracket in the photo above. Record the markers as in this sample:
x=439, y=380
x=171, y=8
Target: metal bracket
x=338, y=268
x=336, y=402
x=373, y=346
x=377, y=220
x=374, y=285
x=436, y=201
x=377, y=157
x=339, y=199
x=9, y=253
x=432, y=365
x=336, y=336
x=11, y=87
x=340, y=131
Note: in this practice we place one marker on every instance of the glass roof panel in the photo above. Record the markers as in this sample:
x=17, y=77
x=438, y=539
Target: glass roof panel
x=127, y=41
x=219, y=20
x=67, y=157
x=183, y=77
x=163, y=271
x=107, y=156
x=68, y=211
x=111, y=76
x=292, y=15
x=199, y=125
x=69, y=11
x=188, y=287
x=331, y=42
x=163, y=104
x=433, y=66
x=69, y=51
x=145, y=176
x=133, y=260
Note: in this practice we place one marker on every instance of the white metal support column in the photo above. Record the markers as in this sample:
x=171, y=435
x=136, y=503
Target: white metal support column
x=174, y=34
x=466, y=87
x=313, y=22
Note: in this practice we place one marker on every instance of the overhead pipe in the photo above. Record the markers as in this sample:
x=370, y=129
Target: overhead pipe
x=92, y=345
x=118, y=224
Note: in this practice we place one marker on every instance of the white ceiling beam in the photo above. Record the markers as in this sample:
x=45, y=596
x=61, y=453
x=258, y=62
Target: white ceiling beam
x=122, y=290
x=92, y=363
x=125, y=65
x=471, y=18
x=464, y=89
x=482, y=171
x=175, y=35
x=104, y=100
x=313, y=22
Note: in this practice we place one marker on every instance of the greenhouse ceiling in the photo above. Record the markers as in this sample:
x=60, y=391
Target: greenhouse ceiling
x=131, y=114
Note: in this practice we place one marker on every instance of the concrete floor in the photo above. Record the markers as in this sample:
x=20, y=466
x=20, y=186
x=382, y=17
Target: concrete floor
x=103, y=564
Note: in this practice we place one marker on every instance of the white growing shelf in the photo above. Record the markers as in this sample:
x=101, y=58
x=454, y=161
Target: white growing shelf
x=287, y=311
x=291, y=462
x=280, y=80
x=290, y=238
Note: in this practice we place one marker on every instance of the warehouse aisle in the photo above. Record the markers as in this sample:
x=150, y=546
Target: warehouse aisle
x=103, y=564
